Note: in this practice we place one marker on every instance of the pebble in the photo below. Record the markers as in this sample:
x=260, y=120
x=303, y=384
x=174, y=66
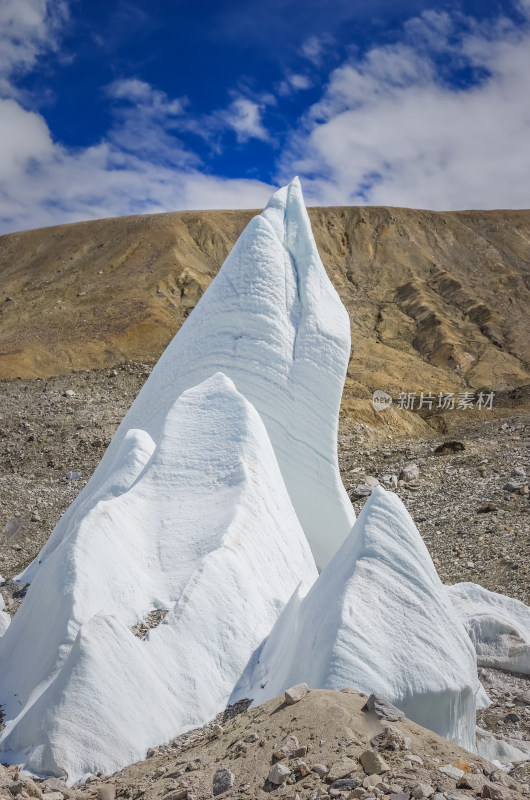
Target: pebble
x=223, y=780
x=422, y=790
x=320, y=769
x=373, y=763
x=341, y=769
x=295, y=693
x=177, y=794
x=73, y=476
x=409, y=473
x=278, y=774
x=414, y=759
x=382, y=708
x=391, y=739
x=451, y=772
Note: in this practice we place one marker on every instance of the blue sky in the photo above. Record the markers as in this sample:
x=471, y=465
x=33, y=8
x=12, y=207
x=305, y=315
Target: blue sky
x=120, y=107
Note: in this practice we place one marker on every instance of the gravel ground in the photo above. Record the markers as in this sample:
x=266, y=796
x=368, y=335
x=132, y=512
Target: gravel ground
x=476, y=529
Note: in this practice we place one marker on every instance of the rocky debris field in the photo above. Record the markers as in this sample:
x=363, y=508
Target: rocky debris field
x=325, y=746
x=469, y=500
x=468, y=495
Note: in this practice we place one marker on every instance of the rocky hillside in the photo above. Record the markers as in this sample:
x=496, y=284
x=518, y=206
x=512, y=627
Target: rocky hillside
x=438, y=301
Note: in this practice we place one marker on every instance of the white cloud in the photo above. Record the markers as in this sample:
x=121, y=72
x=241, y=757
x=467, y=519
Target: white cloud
x=143, y=94
x=392, y=129
x=315, y=47
x=137, y=168
x=294, y=82
x=27, y=28
x=244, y=116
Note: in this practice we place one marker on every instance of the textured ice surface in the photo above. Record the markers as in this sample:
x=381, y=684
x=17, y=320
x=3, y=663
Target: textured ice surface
x=201, y=525
x=499, y=626
x=377, y=619
x=5, y=619
x=273, y=323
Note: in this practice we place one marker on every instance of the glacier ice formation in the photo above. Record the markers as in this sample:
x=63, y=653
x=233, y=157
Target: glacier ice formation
x=378, y=618
x=206, y=531
x=499, y=626
x=271, y=321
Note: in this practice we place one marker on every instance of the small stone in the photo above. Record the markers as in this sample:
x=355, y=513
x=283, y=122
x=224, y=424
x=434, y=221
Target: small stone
x=391, y=739
x=286, y=747
x=399, y=796
x=81, y=294
x=107, y=793
x=217, y=730
x=422, y=790
x=373, y=782
x=382, y=708
x=513, y=486
x=73, y=476
x=299, y=765
x=360, y=793
x=341, y=769
x=344, y=785
x=300, y=752
x=223, y=780
x=252, y=737
x=409, y=473
x=361, y=490
x=512, y=717
x=16, y=788
x=320, y=769
x=475, y=782
x=177, y=794
x=278, y=774
x=487, y=508
x=54, y=785
x=54, y=796
x=31, y=788
x=495, y=792
x=373, y=763
x=295, y=693
x=451, y=772
x=414, y=759
x=446, y=448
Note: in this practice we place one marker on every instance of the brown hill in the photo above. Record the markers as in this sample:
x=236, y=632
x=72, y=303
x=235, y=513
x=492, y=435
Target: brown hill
x=438, y=301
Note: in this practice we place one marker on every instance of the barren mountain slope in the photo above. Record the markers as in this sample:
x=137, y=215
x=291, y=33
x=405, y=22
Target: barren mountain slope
x=438, y=301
